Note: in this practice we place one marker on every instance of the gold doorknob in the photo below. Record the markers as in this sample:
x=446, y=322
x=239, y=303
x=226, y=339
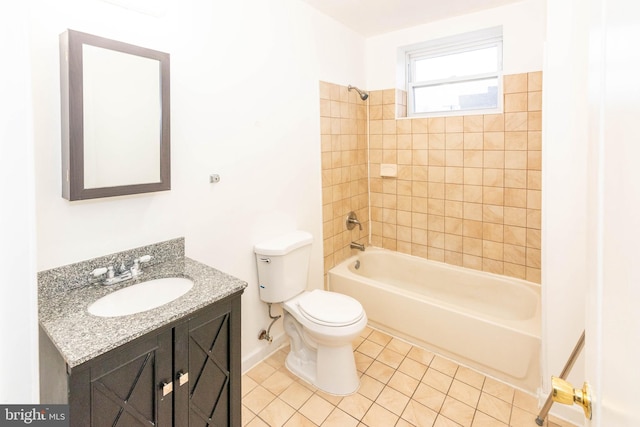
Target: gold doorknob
x=563, y=392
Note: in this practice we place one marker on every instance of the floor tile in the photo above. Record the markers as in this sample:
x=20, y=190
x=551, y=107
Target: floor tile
x=464, y=393
x=370, y=387
x=401, y=385
x=457, y=411
x=316, y=409
x=276, y=413
x=494, y=407
x=499, y=390
x=471, y=377
x=443, y=421
x=257, y=399
x=295, y=395
x=299, y=420
x=339, y=418
x=379, y=337
x=412, y=368
x=261, y=372
x=443, y=365
x=392, y=400
x=399, y=346
x=420, y=355
x=390, y=358
x=370, y=348
x=437, y=380
x=356, y=405
x=429, y=397
x=481, y=419
x=419, y=415
x=380, y=371
x=277, y=383
x=377, y=416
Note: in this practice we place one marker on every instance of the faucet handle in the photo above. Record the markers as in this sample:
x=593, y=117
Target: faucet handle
x=135, y=268
x=98, y=272
x=144, y=258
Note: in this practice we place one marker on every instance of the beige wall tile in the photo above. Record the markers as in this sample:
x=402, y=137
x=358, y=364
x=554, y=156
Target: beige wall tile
x=494, y=123
x=473, y=140
x=493, y=159
x=515, y=235
x=454, y=141
x=436, y=124
x=468, y=190
x=454, y=124
x=534, y=120
x=534, y=81
x=473, y=124
x=515, y=83
x=534, y=102
x=418, y=126
x=472, y=261
x=515, y=270
x=493, y=141
x=437, y=141
x=516, y=102
x=473, y=175
x=472, y=246
x=472, y=158
x=515, y=121
x=515, y=159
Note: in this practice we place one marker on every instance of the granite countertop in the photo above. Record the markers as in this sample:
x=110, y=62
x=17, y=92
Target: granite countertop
x=80, y=336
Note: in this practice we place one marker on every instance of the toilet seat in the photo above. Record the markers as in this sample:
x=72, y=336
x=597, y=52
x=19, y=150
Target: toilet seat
x=330, y=308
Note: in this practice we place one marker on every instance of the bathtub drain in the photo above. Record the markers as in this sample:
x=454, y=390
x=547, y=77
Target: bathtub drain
x=357, y=266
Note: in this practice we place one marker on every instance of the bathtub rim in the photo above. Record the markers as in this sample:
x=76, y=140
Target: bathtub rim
x=530, y=326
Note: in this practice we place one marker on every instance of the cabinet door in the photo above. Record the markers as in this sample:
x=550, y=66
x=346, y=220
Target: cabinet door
x=125, y=389
x=208, y=348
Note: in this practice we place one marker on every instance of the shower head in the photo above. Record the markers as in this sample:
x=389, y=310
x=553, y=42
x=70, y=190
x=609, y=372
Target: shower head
x=363, y=95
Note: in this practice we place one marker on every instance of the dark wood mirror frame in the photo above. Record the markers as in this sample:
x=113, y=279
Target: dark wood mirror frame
x=71, y=81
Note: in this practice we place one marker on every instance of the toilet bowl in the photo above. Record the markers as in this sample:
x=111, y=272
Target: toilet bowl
x=321, y=325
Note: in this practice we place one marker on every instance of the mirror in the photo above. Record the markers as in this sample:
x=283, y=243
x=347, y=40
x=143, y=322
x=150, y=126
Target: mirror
x=115, y=118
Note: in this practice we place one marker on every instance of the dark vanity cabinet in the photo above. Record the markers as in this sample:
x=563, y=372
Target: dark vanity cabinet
x=186, y=373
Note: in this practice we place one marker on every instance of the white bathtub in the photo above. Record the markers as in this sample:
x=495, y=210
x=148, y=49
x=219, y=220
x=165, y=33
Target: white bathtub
x=487, y=322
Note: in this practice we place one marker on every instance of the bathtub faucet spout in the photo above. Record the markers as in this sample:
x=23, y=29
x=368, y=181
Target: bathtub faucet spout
x=359, y=246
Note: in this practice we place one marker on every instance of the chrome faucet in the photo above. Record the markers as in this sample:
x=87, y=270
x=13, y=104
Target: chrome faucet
x=108, y=276
x=352, y=221
x=359, y=246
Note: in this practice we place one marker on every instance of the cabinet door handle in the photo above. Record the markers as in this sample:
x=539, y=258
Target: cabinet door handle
x=183, y=378
x=167, y=388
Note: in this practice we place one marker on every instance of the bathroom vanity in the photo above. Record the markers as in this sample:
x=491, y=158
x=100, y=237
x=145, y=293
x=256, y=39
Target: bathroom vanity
x=174, y=365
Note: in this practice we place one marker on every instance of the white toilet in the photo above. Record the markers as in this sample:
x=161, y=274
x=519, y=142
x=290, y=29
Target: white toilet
x=321, y=325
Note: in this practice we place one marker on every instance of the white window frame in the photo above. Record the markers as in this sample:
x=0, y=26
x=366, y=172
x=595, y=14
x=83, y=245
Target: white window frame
x=476, y=40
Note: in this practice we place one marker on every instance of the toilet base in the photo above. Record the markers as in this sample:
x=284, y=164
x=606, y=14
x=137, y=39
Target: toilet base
x=331, y=369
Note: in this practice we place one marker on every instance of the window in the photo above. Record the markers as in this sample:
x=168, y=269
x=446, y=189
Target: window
x=455, y=75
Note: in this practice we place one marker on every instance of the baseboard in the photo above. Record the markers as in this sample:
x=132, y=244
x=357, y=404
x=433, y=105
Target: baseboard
x=573, y=414
x=263, y=352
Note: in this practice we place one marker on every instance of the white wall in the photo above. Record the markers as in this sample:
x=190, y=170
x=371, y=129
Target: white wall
x=18, y=316
x=523, y=37
x=244, y=104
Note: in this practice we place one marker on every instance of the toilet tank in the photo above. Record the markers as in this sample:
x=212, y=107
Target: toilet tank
x=283, y=266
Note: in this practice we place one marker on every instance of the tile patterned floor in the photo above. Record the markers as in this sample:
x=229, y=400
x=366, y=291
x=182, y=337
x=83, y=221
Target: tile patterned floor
x=401, y=385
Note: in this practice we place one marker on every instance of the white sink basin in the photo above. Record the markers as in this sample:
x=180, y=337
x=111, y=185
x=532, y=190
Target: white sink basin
x=141, y=297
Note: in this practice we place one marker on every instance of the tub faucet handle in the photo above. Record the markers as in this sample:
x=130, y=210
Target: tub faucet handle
x=352, y=221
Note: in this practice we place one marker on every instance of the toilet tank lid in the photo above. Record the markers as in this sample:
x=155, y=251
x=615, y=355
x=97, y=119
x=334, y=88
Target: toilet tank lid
x=284, y=244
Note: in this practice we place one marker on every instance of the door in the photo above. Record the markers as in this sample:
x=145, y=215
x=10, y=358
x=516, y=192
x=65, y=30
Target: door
x=207, y=350
x=613, y=308
x=124, y=389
